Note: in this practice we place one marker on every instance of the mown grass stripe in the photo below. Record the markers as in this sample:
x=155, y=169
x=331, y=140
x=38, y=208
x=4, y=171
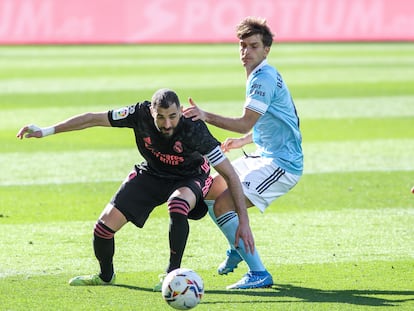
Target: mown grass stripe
x=114, y=81
x=102, y=83
x=364, y=107
x=62, y=62
x=113, y=165
x=359, y=156
x=302, y=238
x=316, y=108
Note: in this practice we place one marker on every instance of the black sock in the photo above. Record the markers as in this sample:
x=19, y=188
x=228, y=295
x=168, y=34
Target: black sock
x=104, y=252
x=178, y=234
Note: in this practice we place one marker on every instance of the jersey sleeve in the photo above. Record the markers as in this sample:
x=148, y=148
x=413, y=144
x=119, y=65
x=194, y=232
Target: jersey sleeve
x=259, y=94
x=216, y=156
x=124, y=117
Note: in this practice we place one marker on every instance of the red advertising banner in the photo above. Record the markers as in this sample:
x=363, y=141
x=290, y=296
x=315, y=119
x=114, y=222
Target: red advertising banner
x=182, y=21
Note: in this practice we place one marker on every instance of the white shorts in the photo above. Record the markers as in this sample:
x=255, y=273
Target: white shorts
x=262, y=180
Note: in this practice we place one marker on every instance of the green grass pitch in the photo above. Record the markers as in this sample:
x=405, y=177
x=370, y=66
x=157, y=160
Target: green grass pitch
x=342, y=239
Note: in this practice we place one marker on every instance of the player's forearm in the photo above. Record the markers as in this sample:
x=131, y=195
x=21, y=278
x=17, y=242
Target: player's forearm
x=227, y=123
x=82, y=121
x=247, y=139
x=237, y=194
x=240, y=206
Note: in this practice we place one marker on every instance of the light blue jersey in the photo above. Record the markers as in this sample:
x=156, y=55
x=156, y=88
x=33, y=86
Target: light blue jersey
x=276, y=132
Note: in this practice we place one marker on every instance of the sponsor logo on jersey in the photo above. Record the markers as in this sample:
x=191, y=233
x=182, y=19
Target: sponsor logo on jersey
x=120, y=113
x=256, y=89
x=169, y=159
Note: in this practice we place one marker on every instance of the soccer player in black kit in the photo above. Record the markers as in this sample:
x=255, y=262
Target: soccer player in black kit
x=177, y=153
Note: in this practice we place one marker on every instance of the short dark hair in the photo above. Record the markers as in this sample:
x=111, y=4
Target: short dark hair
x=164, y=98
x=252, y=26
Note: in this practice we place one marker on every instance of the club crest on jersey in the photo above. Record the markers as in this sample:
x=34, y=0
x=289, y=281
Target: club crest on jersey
x=178, y=147
x=120, y=113
x=147, y=141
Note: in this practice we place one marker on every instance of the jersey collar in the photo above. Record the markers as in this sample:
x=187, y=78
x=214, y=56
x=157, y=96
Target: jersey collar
x=258, y=67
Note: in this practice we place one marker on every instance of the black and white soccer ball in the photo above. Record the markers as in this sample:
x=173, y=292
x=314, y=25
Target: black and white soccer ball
x=182, y=289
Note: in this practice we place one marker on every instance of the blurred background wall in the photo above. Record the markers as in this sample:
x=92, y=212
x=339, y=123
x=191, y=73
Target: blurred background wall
x=201, y=21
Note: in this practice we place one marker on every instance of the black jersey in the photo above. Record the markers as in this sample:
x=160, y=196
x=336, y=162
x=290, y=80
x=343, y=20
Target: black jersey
x=181, y=155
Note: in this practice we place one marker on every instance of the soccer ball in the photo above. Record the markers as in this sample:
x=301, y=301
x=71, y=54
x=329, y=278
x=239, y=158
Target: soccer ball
x=182, y=289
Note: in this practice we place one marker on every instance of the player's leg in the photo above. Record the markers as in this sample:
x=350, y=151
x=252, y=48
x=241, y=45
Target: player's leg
x=110, y=221
x=233, y=258
x=128, y=204
x=186, y=202
x=250, y=172
x=263, y=182
x=228, y=222
x=180, y=203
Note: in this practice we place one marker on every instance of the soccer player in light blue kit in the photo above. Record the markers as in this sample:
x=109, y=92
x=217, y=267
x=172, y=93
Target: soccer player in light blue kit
x=271, y=122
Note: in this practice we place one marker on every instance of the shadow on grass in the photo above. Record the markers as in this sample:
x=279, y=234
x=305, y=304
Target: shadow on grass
x=142, y=289
x=311, y=295
x=304, y=294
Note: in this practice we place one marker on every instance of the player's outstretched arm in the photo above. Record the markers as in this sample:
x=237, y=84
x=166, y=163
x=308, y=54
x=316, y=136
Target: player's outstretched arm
x=78, y=122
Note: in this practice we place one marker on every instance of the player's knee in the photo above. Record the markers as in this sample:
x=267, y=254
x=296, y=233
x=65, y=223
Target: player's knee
x=222, y=206
x=178, y=205
x=102, y=231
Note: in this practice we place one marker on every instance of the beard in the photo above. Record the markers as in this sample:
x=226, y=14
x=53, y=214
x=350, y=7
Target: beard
x=166, y=132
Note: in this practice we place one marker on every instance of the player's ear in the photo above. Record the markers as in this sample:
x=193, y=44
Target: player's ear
x=153, y=111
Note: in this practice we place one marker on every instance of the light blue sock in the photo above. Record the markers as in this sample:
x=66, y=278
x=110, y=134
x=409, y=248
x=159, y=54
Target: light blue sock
x=210, y=205
x=228, y=224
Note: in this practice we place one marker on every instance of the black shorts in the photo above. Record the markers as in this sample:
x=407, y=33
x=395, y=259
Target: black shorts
x=141, y=192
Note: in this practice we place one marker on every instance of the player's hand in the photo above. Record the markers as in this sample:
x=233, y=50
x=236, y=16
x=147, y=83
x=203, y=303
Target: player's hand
x=245, y=233
x=194, y=112
x=29, y=131
x=32, y=130
x=231, y=143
